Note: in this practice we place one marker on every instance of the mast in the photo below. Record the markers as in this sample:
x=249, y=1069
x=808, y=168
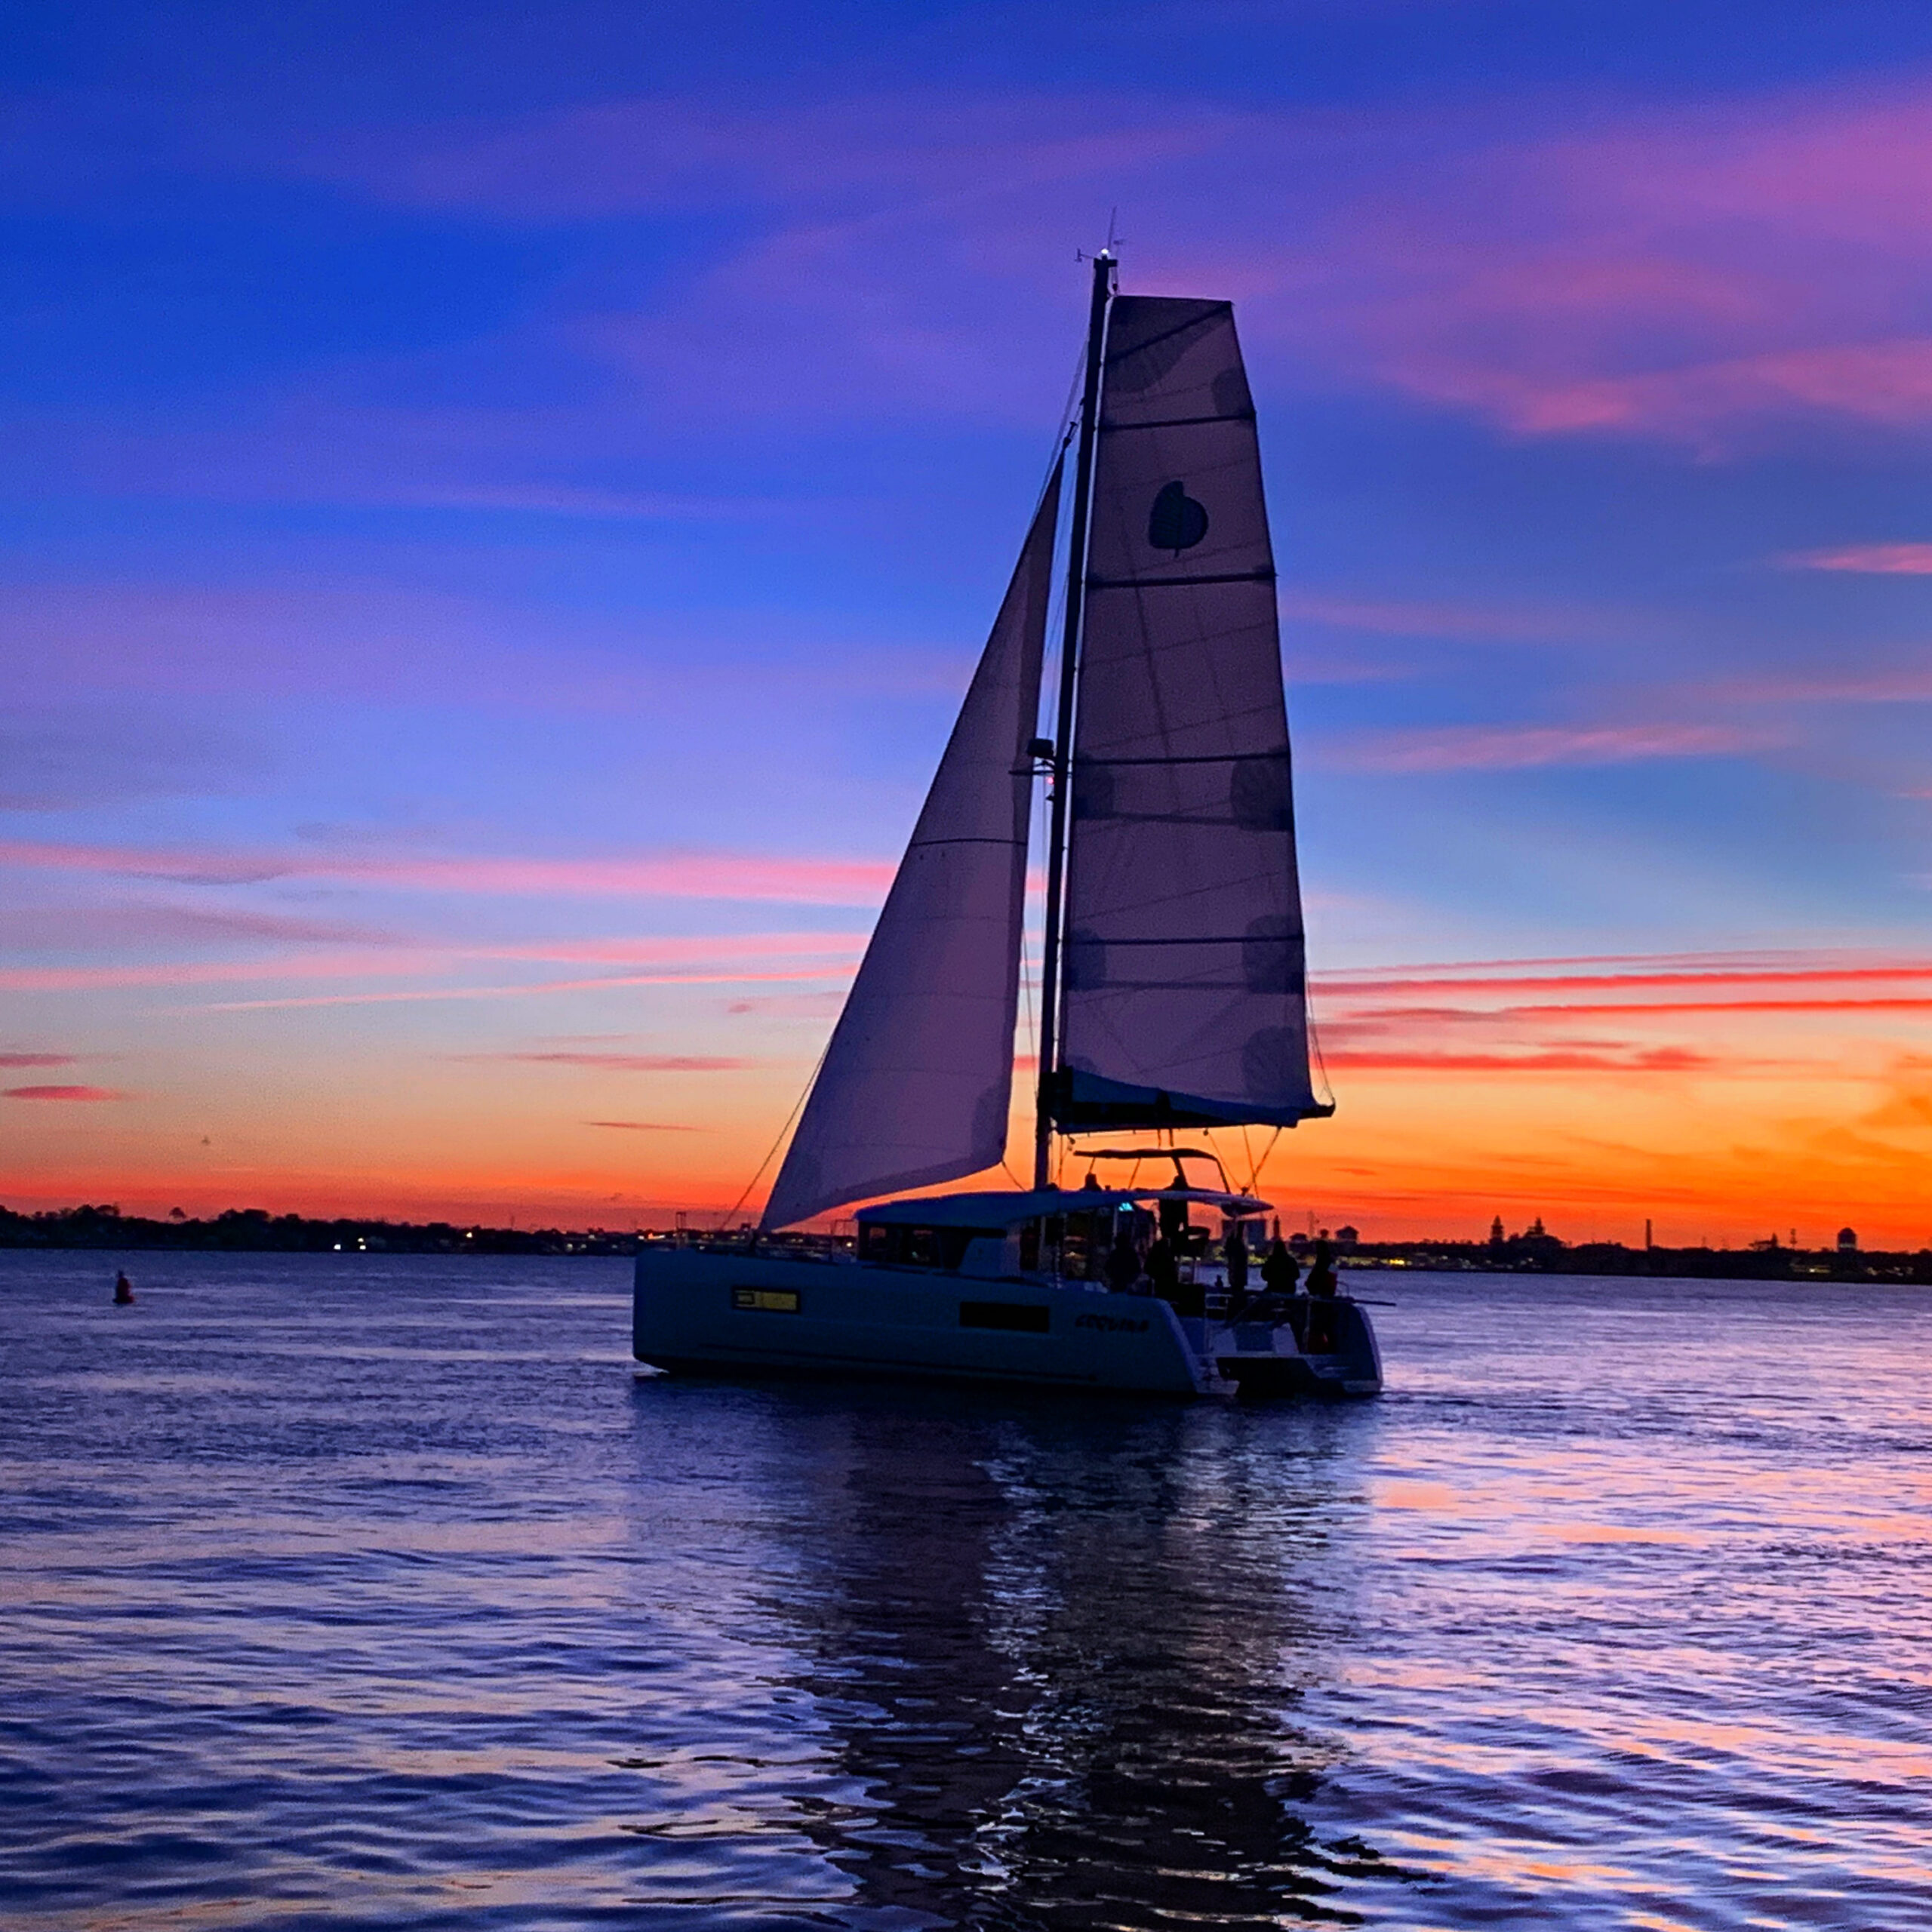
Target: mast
x=1062, y=760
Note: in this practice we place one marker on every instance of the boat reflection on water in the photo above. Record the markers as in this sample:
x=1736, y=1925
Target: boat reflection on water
x=1056, y=1657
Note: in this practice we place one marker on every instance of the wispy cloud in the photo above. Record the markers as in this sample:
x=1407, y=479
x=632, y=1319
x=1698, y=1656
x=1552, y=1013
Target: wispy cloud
x=630, y=1062
x=1868, y=559
x=1511, y=748
x=721, y=958
x=803, y=880
x=1648, y=1059
x=1820, y=1004
x=1690, y=971
x=1460, y=620
x=648, y=1126
x=1666, y=273
x=64, y=927
x=1545, y=1016
x=1888, y=384
x=62, y=1093
x=36, y=1059
x=520, y=990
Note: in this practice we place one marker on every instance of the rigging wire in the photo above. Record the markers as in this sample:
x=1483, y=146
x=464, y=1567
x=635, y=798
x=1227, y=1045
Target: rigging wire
x=1261, y=1165
x=798, y=1107
x=1328, y=1094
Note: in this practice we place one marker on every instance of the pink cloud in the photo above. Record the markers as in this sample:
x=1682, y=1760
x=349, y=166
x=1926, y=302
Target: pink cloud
x=62, y=1093
x=1617, y=975
x=1873, y=559
x=1904, y=687
x=667, y=151
x=66, y=928
x=1540, y=1016
x=1658, y=1059
x=1885, y=384
x=1677, y=272
x=1672, y=274
x=678, y=875
x=630, y=1062
x=604, y=982
x=197, y=972
x=1500, y=748
x=36, y=1059
x=1481, y=623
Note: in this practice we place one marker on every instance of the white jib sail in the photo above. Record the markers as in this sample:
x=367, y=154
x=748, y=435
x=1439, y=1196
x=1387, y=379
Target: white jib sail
x=916, y=1083
x=1185, y=997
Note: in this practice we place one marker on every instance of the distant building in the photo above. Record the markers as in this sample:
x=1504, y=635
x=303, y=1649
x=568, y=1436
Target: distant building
x=1848, y=1240
x=1496, y=1236
x=1346, y=1237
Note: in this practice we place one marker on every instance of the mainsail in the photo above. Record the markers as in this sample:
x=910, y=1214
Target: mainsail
x=915, y=1085
x=1184, y=999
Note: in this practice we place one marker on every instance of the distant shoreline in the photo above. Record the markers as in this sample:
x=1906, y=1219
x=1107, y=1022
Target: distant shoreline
x=254, y=1230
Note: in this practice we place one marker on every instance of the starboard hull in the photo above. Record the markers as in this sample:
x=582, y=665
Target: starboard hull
x=717, y=1312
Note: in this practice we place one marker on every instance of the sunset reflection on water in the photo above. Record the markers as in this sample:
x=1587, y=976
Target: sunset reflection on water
x=369, y=1591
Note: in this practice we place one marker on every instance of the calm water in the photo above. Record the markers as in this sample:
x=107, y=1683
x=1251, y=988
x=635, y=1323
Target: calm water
x=345, y=1591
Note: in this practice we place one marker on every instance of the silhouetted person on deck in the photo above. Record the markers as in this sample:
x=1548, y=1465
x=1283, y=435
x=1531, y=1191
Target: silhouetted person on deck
x=1321, y=1275
x=1321, y=1286
x=124, y=1290
x=1123, y=1263
x=1163, y=1270
x=1234, y=1250
x=1280, y=1270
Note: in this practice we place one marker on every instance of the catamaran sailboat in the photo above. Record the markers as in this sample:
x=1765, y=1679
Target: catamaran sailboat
x=1173, y=996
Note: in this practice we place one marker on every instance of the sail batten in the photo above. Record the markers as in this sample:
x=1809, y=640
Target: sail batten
x=1183, y=960
x=916, y=1084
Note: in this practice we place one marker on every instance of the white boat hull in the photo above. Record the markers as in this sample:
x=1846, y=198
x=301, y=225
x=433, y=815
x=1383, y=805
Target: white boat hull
x=715, y=1311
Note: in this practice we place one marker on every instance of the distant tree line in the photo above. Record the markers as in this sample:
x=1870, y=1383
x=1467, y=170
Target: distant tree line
x=255, y=1228
x=1534, y=1251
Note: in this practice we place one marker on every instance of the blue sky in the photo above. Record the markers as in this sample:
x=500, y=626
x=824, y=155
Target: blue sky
x=492, y=499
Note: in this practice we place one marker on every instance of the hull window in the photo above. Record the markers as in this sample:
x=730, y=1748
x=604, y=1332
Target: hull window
x=767, y=1301
x=1018, y=1318
x=921, y=1247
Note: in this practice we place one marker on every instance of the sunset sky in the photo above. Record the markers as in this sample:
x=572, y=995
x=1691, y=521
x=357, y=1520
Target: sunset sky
x=500, y=505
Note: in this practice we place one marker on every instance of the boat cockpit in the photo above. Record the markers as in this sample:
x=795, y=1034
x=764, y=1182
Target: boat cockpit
x=1069, y=1234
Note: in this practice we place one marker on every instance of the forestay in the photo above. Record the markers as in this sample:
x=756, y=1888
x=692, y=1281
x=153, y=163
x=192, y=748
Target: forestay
x=1184, y=999
x=916, y=1084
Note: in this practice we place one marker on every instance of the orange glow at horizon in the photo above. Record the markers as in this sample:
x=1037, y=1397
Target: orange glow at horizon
x=1723, y=1119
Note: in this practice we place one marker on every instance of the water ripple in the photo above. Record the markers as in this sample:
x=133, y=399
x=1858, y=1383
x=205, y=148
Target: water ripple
x=362, y=1591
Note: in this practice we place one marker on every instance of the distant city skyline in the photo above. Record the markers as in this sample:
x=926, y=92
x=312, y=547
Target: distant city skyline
x=499, y=511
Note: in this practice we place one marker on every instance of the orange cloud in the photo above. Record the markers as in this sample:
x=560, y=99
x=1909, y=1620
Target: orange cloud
x=1656, y=1060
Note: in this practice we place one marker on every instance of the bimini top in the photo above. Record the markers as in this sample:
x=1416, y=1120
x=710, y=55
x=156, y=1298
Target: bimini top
x=1010, y=1208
